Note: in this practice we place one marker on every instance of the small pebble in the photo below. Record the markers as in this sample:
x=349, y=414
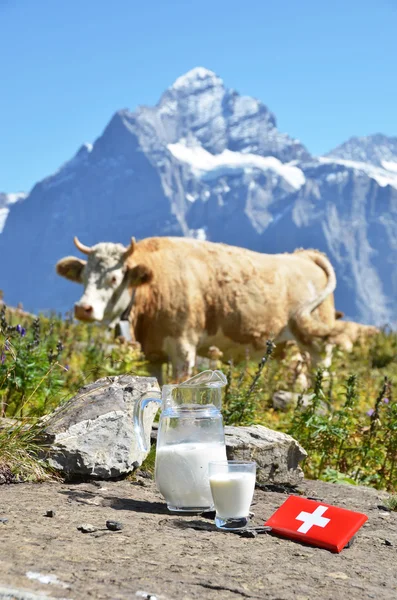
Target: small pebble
x=388, y=543
x=314, y=498
x=3, y=520
x=383, y=507
x=248, y=533
x=139, y=482
x=50, y=513
x=114, y=525
x=87, y=528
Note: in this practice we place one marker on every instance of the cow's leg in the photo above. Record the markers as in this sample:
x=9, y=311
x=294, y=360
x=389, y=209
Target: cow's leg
x=321, y=359
x=182, y=353
x=156, y=370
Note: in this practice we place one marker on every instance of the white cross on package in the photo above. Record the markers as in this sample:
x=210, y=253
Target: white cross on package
x=316, y=523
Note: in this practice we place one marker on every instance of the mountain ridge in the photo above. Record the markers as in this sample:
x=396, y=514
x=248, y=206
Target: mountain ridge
x=208, y=163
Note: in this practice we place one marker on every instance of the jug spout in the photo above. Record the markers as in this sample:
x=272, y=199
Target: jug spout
x=139, y=408
x=204, y=389
x=211, y=379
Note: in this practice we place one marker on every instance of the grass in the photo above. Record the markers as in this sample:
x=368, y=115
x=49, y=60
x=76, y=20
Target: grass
x=391, y=502
x=349, y=426
x=20, y=454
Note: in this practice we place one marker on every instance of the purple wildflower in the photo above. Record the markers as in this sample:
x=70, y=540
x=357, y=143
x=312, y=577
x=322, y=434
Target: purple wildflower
x=370, y=412
x=6, y=346
x=66, y=367
x=386, y=400
x=23, y=332
x=18, y=328
x=2, y=358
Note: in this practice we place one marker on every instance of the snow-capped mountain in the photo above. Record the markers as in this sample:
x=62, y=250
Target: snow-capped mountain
x=377, y=149
x=208, y=163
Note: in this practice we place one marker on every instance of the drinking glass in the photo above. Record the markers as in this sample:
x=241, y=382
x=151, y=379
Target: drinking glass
x=232, y=485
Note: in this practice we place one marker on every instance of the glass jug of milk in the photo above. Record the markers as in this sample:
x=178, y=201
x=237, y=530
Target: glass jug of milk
x=190, y=435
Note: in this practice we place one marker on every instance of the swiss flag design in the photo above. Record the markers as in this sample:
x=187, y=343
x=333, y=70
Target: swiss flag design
x=316, y=523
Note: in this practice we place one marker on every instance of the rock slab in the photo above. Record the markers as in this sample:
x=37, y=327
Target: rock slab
x=93, y=433
x=277, y=454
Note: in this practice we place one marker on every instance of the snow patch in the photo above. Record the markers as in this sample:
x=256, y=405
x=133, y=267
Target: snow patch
x=3, y=217
x=12, y=198
x=198, y=234
x=195, y=77
x=389, y=165
x=211, y=166
x=7, y=200
x=382, y=176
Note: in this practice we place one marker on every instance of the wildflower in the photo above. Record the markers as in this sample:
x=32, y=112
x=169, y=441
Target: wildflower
x=6, y=346
x=386, y=400
x=23, y=332
x=18, y=328
x=370, y=412
x=66, y=367
x=2, y=358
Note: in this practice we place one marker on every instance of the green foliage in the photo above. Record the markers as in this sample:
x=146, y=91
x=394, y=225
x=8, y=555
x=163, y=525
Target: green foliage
x=345, y=444
x=43, y=362
x=391, y=502
x=348, y=425
x=20, y=453
x=244, y=390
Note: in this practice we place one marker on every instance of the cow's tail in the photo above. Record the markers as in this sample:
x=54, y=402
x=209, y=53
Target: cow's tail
x=307, y=325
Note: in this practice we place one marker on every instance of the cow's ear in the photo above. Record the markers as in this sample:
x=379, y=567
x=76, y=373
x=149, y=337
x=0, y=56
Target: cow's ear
x=140, y=274
x=71, y=268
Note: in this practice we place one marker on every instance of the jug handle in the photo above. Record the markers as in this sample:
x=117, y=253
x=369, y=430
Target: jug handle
x=140, y=406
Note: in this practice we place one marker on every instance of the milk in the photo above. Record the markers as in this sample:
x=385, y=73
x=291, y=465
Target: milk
x=182, y=473
x=232, y=493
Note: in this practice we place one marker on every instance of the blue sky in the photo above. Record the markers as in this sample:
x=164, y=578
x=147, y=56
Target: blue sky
x=328, y=70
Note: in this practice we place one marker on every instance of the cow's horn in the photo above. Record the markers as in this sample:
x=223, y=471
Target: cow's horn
x=84, y=249
x=131, y=248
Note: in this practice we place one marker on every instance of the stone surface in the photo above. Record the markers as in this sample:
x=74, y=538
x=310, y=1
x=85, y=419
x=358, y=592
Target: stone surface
x=87, y=528
x=170, y=557
x=93, y=433
x=20, y=594
x=114, y=525
x=283, y=400
x=277, y=454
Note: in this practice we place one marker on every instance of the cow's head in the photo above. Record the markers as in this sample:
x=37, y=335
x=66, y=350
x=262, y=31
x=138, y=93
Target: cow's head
x=109, y=277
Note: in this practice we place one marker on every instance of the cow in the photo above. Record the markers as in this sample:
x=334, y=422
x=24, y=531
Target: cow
x=345, y=334
x=185, y=295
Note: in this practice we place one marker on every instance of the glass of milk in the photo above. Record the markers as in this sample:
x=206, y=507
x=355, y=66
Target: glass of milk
x=232, y=484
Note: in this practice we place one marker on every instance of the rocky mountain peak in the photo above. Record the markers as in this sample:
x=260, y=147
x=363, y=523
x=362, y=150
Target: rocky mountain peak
x=198, y=104
x=195, y=80
x=377, y=149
